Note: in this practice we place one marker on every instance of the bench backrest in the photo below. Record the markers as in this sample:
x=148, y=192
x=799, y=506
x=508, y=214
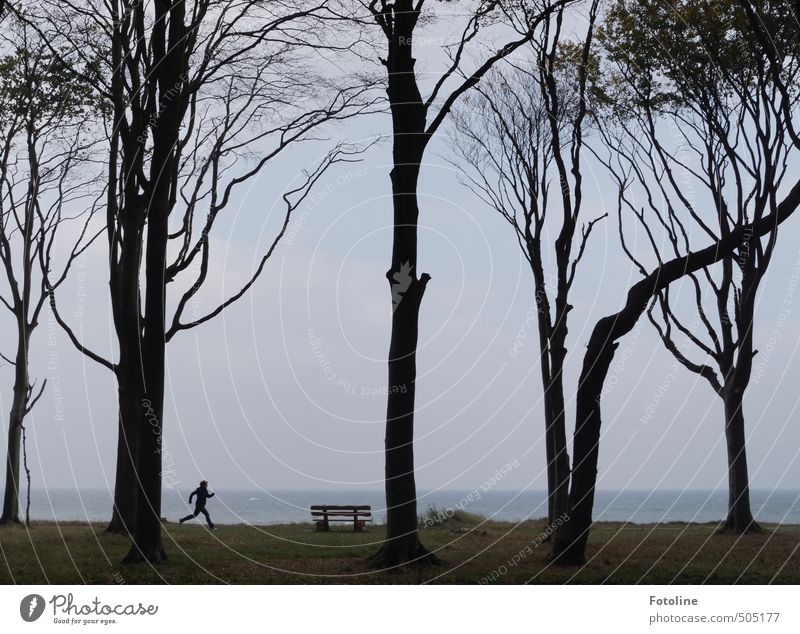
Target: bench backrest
x=346, y=510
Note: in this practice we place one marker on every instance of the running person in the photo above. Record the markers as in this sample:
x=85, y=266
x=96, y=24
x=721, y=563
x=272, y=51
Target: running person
x=200, y=505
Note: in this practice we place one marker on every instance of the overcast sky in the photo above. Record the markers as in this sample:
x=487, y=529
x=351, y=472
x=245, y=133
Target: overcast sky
x=284, y=389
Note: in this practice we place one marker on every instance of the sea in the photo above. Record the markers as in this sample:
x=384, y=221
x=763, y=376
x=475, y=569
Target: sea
x=265, y=507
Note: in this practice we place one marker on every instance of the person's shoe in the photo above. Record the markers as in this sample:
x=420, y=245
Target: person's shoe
x=180, y=522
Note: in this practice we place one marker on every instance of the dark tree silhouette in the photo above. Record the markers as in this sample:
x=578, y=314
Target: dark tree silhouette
x=752, y=88
x=44, y=174
x=706, y=100
x=519, y=138
x=414, y=122
x=202, y=96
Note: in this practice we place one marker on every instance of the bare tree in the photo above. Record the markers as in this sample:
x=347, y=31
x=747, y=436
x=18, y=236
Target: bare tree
x=711, y=112
x=43, y=146
x=733, y=102
x=520, y=132
x=415, y=120
x=203, y=96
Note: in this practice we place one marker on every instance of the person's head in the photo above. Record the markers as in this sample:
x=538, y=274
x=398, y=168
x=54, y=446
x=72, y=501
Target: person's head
x=204, y=484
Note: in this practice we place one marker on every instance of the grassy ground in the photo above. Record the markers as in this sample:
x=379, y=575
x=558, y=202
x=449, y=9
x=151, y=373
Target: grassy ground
x=489, y=552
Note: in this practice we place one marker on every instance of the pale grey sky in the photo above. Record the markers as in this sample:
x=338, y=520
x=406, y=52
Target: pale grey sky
x=284, y=389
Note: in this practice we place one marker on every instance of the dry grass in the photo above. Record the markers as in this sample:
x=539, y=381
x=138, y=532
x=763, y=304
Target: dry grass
x=489, y=552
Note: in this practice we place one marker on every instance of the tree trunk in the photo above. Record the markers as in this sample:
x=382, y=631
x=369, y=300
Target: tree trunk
x=124, y=284
x=561, y=471
x=402, y=543
x=545, y=330
x=550, y=451
x=147, y=544
x=552, y=351
x=146, y=416
x=15, y=421
x=570, y=539
x=558, y=352
x=11, y=495
x=555, y=434
x=740, y=518
x=123, y=517
x=169, y=92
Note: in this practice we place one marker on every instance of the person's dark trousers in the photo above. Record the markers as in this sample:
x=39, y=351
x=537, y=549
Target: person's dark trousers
x=195, y=514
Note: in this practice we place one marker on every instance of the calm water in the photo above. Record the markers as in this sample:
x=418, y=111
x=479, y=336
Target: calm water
x=278, y=507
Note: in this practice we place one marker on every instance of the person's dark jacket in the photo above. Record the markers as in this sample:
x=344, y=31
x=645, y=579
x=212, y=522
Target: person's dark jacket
x=202, y=495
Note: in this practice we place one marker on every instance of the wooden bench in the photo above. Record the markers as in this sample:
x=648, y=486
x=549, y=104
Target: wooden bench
x=324, y=514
